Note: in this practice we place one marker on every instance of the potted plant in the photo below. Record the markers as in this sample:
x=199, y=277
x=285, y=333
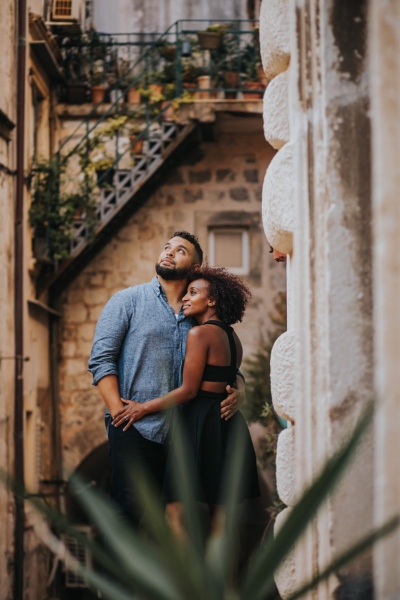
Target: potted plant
x=211, y=38
x=52, y=212
x=105, y=171
x=167, y=50
x=97, y=80
x=204, y=83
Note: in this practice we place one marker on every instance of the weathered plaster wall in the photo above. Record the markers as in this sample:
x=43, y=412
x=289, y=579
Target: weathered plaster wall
x=317, y=208
x=385, y=117
x=7, y=190
x=218, y=183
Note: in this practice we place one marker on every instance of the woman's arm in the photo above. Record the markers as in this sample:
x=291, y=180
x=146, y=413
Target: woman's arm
x=195, y=360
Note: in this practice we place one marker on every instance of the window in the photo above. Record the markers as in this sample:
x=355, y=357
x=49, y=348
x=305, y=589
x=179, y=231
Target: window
x=230, y=248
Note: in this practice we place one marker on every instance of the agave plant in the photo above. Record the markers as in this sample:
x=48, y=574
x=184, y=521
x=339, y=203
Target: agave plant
x=158, y=566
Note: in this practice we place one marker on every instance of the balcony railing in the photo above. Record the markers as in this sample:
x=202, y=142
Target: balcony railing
x=203, y=58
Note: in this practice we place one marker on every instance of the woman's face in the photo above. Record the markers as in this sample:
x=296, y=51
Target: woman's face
x=196, y=300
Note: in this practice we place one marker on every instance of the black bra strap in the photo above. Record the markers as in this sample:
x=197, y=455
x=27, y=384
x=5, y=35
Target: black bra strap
x=232, y=346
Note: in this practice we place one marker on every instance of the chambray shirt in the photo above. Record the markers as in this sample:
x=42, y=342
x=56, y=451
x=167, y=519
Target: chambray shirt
x=139, y=339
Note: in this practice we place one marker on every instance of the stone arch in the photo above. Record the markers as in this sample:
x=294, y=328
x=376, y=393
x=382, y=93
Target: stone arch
x=95, y=468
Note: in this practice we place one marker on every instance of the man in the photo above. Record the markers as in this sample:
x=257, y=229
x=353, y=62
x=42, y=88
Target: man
x=138, y=353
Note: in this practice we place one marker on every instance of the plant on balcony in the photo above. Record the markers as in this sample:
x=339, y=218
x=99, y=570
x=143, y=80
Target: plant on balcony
x=211, y=38
x=53, y=212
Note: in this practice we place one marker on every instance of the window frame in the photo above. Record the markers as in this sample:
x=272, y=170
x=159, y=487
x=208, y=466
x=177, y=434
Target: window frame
x=245, y=268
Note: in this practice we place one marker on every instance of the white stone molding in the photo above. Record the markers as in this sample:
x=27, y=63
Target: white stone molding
x=285, y=466
x=277, y=201
x=285, y=576
x=282, y=375
x=274, y=36
x=276, y=111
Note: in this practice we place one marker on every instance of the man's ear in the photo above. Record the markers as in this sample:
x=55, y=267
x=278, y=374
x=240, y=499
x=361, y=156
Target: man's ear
x=196, y=267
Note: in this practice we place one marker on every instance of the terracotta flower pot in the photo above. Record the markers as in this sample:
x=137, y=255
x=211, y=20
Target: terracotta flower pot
x=168, y=111
x=136, y=145
x=98, y=92
x=247, y=90
x=261, y=76
x=209, y=40
x=231, y=81
x=133, y=96
x=204, y=83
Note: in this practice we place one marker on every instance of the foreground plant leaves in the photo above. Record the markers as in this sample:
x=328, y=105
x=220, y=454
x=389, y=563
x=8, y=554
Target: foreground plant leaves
x=159, y=567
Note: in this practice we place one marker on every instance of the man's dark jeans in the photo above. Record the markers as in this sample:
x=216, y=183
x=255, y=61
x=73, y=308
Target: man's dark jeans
x=130, y=451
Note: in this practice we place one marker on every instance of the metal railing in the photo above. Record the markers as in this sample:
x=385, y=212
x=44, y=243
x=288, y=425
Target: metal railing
x=193, y=59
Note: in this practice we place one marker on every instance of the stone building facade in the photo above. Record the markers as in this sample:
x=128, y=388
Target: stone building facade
x=330, y=203
x=214, y=190
x=25, y=562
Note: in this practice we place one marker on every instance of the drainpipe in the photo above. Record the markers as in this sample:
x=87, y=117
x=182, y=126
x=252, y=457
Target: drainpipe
x=18, y=304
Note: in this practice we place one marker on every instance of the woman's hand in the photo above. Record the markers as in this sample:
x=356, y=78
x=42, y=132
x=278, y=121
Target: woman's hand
x=132, y=411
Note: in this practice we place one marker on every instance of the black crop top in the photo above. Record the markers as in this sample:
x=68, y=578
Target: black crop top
x=224, y=373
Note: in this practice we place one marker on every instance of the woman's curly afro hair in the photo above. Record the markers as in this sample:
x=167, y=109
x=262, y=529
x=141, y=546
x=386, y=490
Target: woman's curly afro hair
x=231, y=295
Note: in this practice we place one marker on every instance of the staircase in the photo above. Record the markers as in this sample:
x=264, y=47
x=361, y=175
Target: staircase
x=126, y=183
x=130, y=175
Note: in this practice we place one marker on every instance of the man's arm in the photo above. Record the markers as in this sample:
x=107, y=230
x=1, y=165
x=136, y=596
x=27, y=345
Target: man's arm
x=111, y=330
x=109, y=390
x=235, y=399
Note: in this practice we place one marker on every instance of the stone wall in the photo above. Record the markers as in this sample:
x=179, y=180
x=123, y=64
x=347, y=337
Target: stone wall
x=218, y=183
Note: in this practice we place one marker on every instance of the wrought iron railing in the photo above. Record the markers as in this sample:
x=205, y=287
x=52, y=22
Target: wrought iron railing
x=108, y=154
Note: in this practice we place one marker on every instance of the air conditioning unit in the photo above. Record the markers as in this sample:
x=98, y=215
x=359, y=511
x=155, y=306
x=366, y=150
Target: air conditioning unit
x=66, y=10
x=77, y=549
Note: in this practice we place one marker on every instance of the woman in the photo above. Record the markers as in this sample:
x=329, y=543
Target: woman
x=216, y=299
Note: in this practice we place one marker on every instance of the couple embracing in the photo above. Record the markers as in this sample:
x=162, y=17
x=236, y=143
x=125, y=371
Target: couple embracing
x=169, y=343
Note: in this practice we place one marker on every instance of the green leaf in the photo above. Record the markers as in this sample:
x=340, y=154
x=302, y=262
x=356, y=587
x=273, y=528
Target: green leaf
x=259, y=581
x=141, y=558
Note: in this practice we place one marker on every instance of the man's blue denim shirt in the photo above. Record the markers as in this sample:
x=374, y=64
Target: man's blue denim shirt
x=139, y=339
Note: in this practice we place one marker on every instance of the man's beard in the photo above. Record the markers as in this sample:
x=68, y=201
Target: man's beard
x=172, y=274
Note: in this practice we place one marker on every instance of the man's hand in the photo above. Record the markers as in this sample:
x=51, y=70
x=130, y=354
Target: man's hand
x=132, y=411
x=235, y=399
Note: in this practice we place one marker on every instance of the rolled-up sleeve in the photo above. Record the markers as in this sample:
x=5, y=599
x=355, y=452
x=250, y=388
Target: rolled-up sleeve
x=110, y=333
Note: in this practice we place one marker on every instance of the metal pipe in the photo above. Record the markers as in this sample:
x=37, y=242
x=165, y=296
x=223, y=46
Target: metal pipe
x=18, y=303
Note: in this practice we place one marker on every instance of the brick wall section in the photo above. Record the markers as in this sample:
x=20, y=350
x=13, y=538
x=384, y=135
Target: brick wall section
x=218, y=181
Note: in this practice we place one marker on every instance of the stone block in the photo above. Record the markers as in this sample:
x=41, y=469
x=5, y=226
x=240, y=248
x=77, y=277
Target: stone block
x=282, y=375
x=75, y=313
x=278, y=201
x=276, y=111
x=189, y=196
x=251, y=175
x=86, y=332
x=94, y=313
x=75, y=366
x=285, y=466
x=225, y=175
x=239, y=194
x=285, y=576
x=274, y=36
x=94, y=296
x=199, y=176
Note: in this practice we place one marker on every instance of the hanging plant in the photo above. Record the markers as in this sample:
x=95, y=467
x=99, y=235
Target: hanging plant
x=53, y=213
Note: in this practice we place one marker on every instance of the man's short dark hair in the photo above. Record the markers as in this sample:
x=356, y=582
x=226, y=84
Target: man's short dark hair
x=194, y=241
